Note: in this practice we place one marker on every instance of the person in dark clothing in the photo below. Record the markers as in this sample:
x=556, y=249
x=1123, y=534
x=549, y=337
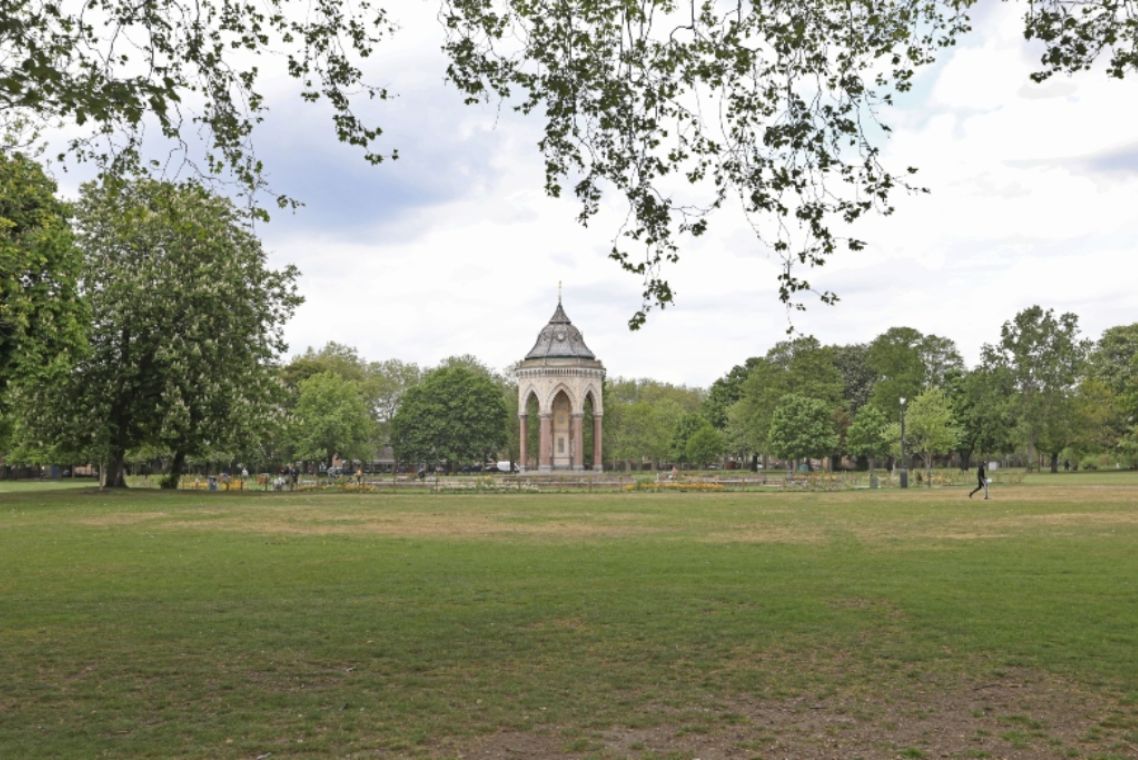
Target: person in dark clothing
x=981, y=482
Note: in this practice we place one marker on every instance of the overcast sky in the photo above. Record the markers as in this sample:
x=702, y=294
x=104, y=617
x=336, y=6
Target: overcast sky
x=455, y=249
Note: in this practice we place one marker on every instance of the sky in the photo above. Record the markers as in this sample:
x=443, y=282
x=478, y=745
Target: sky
x=455, y=249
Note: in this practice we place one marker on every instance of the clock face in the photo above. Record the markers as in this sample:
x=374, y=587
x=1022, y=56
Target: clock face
x=560, y=335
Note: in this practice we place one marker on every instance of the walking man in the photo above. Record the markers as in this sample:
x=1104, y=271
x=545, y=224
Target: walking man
x=981, y=482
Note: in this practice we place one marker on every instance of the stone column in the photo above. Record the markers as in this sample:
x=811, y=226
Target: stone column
x=598, y=460
x=545, y=445
x=577, y=433
x=522, y=430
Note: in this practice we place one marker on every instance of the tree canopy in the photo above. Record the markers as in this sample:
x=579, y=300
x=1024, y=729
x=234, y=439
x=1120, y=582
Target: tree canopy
x=454, y=415
x=185, y=322
x=931, y=427
x=801, y=428
x=906, y=362
x=704, y=446
x=380, y=383
x=41, y=317
x=111, y=68
x=1044, y=354
x=680, y=106
x=868, y=435
x=802, y=367
x=676, y=107
x=331, y=417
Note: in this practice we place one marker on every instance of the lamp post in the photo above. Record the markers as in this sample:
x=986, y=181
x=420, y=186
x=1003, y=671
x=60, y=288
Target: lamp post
x=904, y=468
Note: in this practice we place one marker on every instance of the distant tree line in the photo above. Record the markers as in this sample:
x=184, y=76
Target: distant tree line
x=141, y=325
x=1041, y=394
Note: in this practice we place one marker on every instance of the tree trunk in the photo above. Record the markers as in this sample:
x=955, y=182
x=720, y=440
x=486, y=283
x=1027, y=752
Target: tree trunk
x=177, y=466
x=1055, y=462
x=929, y=471
x=113, y=474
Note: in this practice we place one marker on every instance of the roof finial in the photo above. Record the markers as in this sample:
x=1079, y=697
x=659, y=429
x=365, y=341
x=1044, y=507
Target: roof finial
x=559, y=291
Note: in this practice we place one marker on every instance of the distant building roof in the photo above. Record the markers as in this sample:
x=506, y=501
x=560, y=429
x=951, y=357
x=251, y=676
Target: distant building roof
x=560, y=339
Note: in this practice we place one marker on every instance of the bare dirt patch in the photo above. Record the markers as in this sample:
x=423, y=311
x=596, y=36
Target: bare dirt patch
x=1018, y=716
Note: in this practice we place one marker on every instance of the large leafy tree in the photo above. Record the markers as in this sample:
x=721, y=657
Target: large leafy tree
x=1114, y=364
x=704, y=446
x=725, y=391
x=41, y=317
x=868, y=436
x=802, y=428
x=1096, y=417
x=454, y=415
x=186, y=320
x=331, y=417
x=852, y=362
x=642, y=417
x=906, y=362
x=895, y=358
x=332, y=357
x=749, y=418
x=983, y=402
x=941, y=359
x=808, y=369
x=685, y=428
x=388, y=381
x=641, y=430
x=931, y=427
x=381, y=383
x=1045, y=356
x=803, y=367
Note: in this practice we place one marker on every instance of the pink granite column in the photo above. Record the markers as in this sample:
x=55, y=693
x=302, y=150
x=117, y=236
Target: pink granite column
x=577, y=453
x=522, y=436
x=598, y=460
x=545, y=445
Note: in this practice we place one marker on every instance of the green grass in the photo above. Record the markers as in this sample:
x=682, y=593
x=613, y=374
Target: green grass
x=40, y=486
x=154, y=624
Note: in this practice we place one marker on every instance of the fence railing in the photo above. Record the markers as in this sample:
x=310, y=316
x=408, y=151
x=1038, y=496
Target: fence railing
x=612, y=482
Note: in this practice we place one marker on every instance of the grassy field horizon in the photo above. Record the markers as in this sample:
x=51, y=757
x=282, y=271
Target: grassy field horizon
x=911, y=623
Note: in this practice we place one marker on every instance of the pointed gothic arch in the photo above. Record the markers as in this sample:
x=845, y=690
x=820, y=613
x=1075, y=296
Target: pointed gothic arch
x=562, y=387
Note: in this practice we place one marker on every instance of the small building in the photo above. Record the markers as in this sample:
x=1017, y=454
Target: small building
x=566, y=380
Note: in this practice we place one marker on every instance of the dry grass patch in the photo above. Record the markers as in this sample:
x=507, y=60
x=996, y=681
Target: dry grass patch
x=461, y=525
x=1019, y=715
x=1078, y=519
x=121, y=518
x=768, y=534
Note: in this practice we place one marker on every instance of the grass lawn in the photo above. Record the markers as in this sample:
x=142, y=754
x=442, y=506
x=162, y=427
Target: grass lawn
x=40, y=486
x=903, y=624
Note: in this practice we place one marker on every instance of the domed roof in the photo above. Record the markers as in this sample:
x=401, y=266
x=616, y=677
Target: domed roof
x=560, y=340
